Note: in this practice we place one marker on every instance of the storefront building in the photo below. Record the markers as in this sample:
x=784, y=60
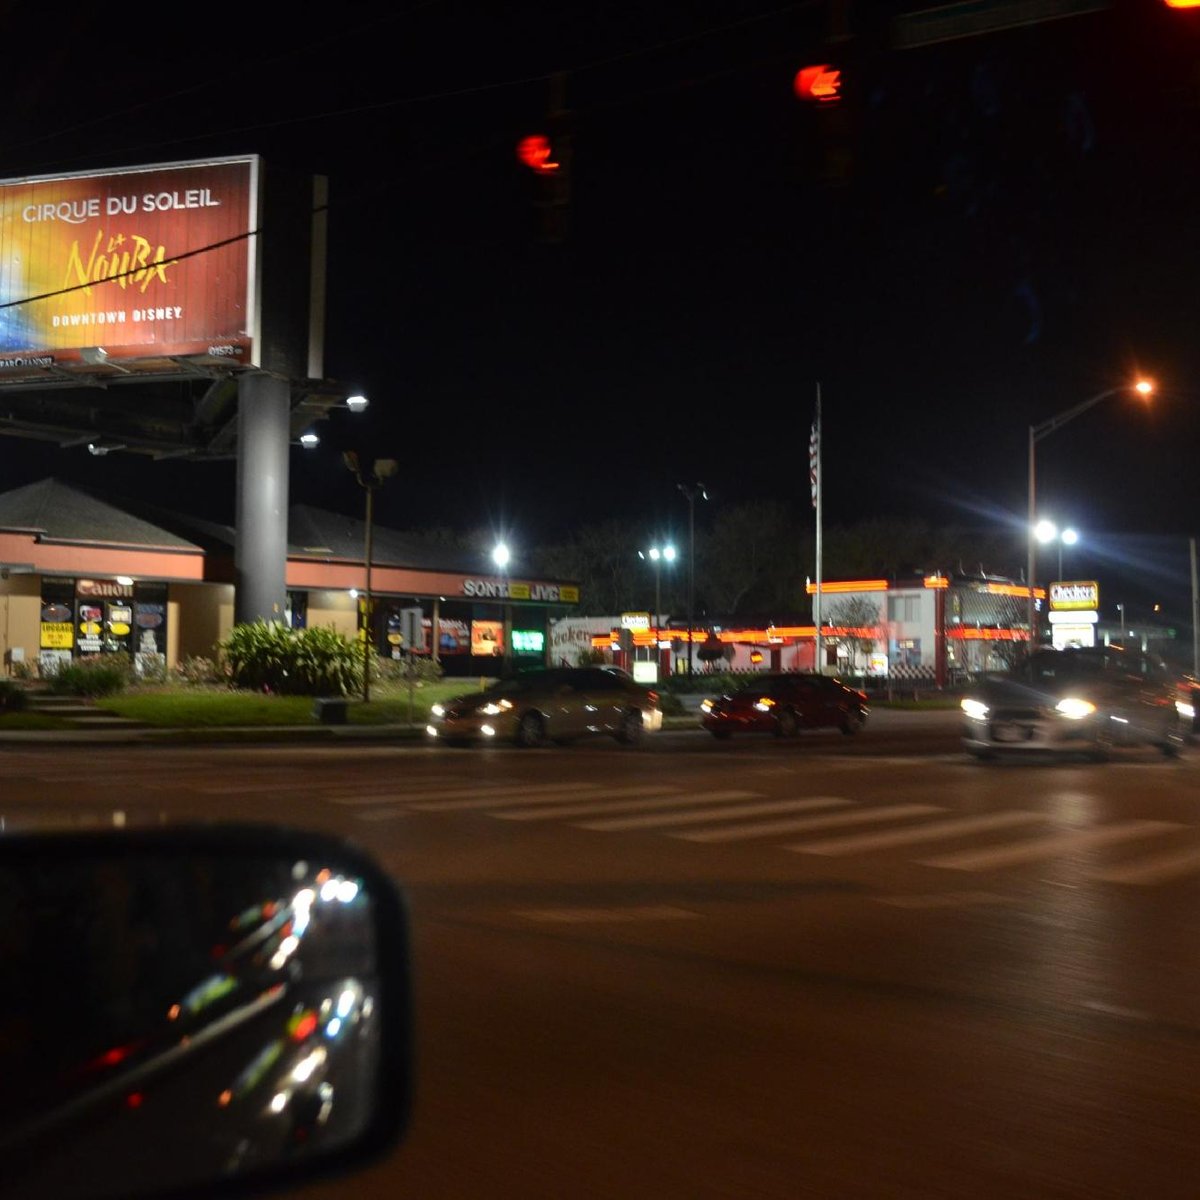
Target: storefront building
x=80, y=576
x=932, y=629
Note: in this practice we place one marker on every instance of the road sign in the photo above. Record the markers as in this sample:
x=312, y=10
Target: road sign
x=970, y=18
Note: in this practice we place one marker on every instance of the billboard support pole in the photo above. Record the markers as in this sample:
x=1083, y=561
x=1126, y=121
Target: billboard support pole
x=260, y=551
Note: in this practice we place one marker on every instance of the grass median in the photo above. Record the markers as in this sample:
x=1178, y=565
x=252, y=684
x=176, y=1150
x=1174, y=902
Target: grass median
x=171, y=708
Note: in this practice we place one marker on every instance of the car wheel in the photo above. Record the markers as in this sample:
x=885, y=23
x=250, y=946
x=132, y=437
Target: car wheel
x=1172, y=743
x=852, y=722
x=786, y=725
x=531, y=732
x=630, y=733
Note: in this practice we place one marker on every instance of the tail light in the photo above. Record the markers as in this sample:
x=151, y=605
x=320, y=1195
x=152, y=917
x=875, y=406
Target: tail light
x=653, y=697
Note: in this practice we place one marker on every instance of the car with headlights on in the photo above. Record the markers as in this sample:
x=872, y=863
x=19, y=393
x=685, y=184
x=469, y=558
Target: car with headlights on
x=1084, y=700
x=784, y=704
x=555, y=705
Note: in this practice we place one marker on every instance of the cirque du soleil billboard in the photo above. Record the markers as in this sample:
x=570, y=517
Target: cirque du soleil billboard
x=145, y=262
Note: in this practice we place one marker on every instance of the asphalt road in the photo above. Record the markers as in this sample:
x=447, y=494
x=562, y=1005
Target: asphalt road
x=831, y=968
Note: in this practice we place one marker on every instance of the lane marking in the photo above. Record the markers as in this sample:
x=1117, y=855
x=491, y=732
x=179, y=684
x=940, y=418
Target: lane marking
x=455, y=793
x=859, y=843
x=1016, y=853
x=554, y=794
x=547, y=812
x=1152, y=868
x=765, y=829
x=718, y=814
x=577, y=916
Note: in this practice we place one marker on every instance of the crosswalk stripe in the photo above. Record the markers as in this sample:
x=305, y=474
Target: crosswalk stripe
x=861, y=843
x=735, y=833
x=663, y=820
x=503, y=797
x=1153, y=868
x=398, y=795
x=1016, y=853
x=548, y=812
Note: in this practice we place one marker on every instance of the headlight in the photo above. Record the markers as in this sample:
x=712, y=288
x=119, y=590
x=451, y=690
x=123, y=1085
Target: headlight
x=1075, y=709
x=765, y=704
x=1185, y=710
x=438, y=710
x=975, y=709
x=706, y=706
x=494, y=710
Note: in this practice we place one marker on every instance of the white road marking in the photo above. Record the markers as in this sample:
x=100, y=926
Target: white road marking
x=1016, y=853
x=548, y=812
x=480, y=795
x=767, y=828
x=718, y=814
x=1153, y=868
x=505, y=797
x=577, y=916
x=861, y=843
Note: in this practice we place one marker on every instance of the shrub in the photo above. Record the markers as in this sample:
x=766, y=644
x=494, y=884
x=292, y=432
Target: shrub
x=671, y=705
x=293, y=662
x=13, y=697
x=198, y=671
x=396, y=670
x=99, y=675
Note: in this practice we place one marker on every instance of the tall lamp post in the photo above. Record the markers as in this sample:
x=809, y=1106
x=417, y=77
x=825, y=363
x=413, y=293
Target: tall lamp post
x=690, y=493
x=501, y=557
x=1037, y=433
x=658, y=555
x=370, y=482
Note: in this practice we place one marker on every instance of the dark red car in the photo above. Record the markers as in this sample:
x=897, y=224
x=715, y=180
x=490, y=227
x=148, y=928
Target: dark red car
x=785, y=704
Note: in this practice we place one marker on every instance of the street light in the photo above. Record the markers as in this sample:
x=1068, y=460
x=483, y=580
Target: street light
x=501, y=557
x=690, y=494
x=1037, y=433
x=658, y=555
x=381, y=469
x=1047, y=532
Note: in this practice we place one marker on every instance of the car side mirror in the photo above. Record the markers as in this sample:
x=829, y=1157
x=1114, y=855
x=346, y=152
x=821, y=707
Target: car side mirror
x=196, y=1011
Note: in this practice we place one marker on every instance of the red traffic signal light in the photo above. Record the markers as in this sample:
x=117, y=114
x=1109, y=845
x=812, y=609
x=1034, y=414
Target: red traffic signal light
x=822, y=84
x=537, y=154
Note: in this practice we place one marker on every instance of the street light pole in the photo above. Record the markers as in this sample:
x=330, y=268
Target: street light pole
x=383, y=468
x=1037, y=433
x=690, y=493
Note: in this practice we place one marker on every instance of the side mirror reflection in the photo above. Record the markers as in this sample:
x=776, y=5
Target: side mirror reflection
x=193, y=1008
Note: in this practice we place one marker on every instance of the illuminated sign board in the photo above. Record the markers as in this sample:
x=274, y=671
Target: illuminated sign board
x=528, y=641
x=141, y=263
x=1066, y=597
x=1084, y=617
x=487, y=638
x=635, y=620
x=512, y=589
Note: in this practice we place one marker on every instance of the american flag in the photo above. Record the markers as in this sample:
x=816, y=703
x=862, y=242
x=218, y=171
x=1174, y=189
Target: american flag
x=814, y=460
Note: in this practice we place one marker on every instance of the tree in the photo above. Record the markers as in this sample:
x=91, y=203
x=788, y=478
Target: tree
x=858, y=613
x=751, y=561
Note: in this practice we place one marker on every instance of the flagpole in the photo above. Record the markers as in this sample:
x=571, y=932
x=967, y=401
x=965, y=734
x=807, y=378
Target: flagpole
x=818, y=658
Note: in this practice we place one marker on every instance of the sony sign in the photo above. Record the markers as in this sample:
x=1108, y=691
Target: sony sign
x=511, y=589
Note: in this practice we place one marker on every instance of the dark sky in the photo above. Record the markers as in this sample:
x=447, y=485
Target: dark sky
x=1019, y=231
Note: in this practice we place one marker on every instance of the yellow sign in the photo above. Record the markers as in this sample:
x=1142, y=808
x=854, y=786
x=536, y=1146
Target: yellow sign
x=1065, y=597
x=119, y=628
x=568, y=595
x=89, y=628
x=518, y=591
x=57, y=635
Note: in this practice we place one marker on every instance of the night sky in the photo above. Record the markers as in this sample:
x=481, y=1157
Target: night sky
x=1018, y=231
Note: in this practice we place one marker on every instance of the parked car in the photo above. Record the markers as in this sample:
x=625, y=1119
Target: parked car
x=1082, y=700
x=784, y=704
x=558, y=705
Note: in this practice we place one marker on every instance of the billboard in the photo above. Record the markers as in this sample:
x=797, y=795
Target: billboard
x=140, y=263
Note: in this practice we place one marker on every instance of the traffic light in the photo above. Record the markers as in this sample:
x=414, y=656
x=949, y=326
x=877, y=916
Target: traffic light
x=821, y=84
x=548, y=156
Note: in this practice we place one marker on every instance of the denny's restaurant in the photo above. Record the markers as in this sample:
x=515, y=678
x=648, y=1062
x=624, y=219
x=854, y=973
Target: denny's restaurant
x=81, y=577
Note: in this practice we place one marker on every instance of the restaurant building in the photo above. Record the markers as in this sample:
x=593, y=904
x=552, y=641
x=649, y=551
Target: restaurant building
x=82, y=575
